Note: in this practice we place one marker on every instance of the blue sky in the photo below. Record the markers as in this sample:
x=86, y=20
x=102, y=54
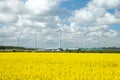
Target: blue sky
x=78, y=4
x=74, y=4
x=84, y=23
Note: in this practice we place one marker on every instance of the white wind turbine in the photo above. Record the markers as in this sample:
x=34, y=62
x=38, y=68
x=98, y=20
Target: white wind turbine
x=60, y=30
x=117, y=11
x=35, y=41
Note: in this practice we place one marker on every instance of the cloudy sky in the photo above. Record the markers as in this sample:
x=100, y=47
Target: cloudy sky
x=84, y=23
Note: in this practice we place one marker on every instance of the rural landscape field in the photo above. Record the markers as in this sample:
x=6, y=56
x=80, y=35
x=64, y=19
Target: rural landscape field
x=59, y=39
x=59, y=66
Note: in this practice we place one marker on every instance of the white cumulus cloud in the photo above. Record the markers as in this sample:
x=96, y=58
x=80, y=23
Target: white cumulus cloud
x=23, y=18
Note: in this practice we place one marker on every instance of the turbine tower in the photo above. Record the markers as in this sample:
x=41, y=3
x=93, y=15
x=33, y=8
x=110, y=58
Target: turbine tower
x=35, y=41
x=117, y=12
x=59, y=38
x=18, y=41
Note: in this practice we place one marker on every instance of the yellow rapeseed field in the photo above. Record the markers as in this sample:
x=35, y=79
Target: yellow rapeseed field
x=59, y=66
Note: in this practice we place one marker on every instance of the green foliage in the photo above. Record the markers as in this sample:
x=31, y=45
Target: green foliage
x=14, y=50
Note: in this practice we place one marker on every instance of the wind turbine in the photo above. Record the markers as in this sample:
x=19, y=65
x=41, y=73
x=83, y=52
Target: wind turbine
x=117, y=11
x=35, y=41
x=60, y=30
x=18, y=41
